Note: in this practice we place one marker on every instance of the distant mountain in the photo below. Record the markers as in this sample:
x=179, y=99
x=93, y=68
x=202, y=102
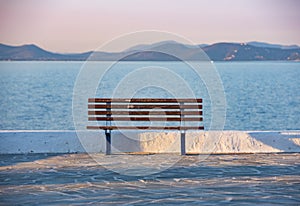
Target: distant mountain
x=142, y=47
x=149, y=56
x=33, y=52
x=246, y=52
x=221, y=52
x=252, y=51
x=274, y=46
x=202, y=45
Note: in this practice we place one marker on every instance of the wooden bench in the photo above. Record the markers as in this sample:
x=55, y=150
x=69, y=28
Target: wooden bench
x=136, y=114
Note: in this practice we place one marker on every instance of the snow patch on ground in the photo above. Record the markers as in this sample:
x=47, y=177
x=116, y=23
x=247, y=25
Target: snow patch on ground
x=202, y=142
x=206, y=142
x=295, y=141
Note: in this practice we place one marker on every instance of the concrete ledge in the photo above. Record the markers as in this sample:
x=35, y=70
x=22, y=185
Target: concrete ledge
x=45, y=141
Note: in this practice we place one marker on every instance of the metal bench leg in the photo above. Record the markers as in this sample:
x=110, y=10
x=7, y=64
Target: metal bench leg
x=182, y=143
x=108, y=142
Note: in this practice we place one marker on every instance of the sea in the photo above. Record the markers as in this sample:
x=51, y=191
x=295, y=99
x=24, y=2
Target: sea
x=37, y=95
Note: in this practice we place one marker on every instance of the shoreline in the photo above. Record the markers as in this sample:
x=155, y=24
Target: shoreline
x=203, y=142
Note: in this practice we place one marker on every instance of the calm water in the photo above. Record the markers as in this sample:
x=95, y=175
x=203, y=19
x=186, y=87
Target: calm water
x=259, y=95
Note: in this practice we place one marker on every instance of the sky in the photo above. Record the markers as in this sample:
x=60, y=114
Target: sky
x=82, y=25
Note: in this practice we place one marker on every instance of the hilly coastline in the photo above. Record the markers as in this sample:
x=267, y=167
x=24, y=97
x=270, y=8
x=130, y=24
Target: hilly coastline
x=251, y=51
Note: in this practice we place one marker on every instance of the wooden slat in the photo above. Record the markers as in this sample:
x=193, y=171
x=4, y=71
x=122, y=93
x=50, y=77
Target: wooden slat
x=190, y=112
x=145, y=128
x=143, y=100
x=151, y=119
x=136, y=106
x=145, y=110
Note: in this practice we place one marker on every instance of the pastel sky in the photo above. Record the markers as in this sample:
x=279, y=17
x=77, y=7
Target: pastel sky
x=82, y=25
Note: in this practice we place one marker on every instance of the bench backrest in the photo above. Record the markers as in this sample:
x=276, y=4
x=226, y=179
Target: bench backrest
x=137, y=114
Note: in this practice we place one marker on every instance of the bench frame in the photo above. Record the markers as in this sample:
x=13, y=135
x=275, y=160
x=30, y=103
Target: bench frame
x=182, y=112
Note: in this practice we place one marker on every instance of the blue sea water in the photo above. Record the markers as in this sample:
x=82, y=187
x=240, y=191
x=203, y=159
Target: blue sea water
x=259, y=95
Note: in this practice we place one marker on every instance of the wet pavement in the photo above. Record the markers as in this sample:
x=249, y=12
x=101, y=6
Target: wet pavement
x=80, y=179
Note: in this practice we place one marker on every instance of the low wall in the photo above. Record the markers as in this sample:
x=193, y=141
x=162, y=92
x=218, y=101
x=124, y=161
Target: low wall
x=20, y=142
